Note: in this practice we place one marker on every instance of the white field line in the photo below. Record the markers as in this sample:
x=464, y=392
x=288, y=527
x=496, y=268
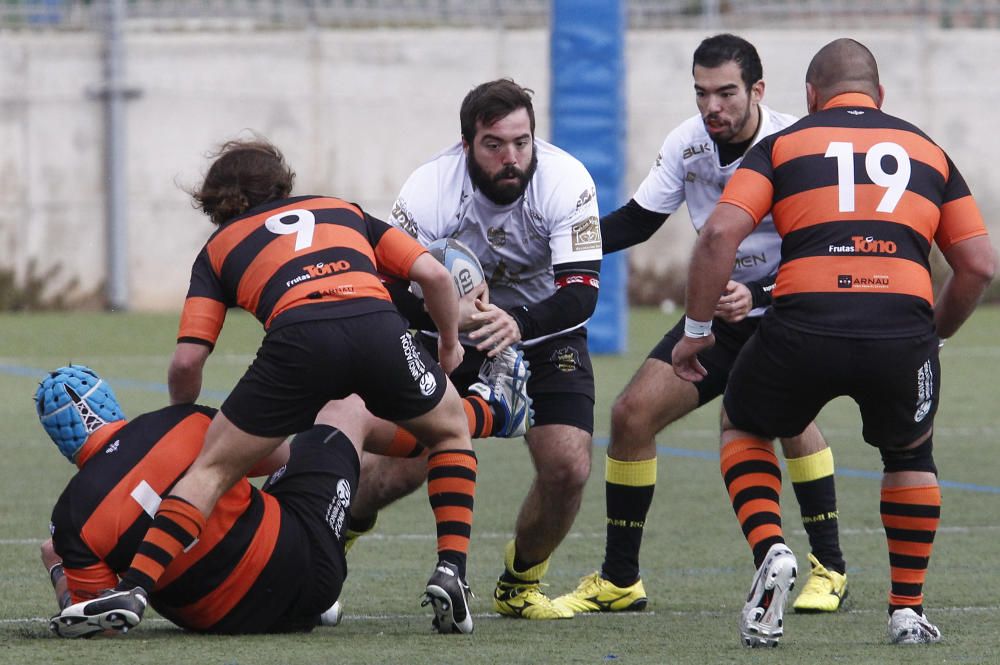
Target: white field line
x=873, y=531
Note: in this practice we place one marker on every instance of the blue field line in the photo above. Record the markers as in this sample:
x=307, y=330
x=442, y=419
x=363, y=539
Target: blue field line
x=713, y=456
x=710, y=455
x=131, y=384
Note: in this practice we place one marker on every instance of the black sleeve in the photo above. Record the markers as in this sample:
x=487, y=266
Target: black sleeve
x=760, y=291
x=572, y=303
x=629, y=225
x=409, y=305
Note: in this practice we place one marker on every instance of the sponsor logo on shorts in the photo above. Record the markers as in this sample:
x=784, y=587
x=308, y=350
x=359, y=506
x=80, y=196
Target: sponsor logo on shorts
x=276, y=476
x=925, y=391
x=336, y=512
x=418, y=370
x=587, y=235
x=567, y=359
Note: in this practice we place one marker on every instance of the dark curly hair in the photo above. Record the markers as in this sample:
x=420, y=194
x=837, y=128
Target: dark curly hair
x=488, y=102
x=245, y=174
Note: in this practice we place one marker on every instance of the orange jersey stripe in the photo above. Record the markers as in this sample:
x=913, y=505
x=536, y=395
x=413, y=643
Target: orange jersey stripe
x=160, y=468
x=217, y=603
x=396, y=253
x=338, y=287
x=750, y=191
x=281, y=251
x=820, y=206
x=872, y=274
x=231, y=235
x=816, y=140
x=202, y=318
x=960, y=220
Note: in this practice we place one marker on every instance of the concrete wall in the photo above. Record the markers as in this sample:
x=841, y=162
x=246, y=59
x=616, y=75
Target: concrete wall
x=356, y=111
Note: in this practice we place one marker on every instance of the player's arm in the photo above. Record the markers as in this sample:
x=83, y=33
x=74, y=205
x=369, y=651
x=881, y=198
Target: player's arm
x=711, y=263
x=54, y=565
x=973, y=263
x=184, y=376
x=441, y=302
x=629, y=225
x=573, y=302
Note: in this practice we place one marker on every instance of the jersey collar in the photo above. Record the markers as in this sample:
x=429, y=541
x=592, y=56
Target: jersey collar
x=850, y=99
x=96, y=441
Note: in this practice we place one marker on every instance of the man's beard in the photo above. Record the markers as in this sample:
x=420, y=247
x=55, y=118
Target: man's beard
x=506, y=193
x=733, y=130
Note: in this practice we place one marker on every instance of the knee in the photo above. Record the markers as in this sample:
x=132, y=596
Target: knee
x=630, y=417
x=566, y=476
x=917, y=458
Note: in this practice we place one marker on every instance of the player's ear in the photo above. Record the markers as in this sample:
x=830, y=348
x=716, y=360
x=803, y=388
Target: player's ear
x=812, y=98
x=757, y=92
x=881, y=96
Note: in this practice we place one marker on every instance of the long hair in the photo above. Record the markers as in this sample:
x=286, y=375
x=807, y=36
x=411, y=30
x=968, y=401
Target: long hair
x=246, y=173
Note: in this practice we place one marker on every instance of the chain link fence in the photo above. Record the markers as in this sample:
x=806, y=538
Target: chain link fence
x=643, y=14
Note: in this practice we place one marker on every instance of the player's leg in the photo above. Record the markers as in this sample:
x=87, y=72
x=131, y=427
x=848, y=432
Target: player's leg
x=562, y=387
x=810, y=468
x=654, y=398
x=898, y=394
x=776, y=366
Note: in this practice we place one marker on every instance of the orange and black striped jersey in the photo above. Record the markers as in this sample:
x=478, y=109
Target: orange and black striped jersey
x=105, y=510
x=298, y=259
x=858, y=197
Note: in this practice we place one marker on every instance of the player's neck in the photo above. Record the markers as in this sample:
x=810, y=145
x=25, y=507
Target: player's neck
x=96, y=441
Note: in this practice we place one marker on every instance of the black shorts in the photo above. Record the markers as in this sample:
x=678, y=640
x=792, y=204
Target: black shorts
x=784, y=377
x=561, y=385
x=306, y=571
x=718, y=360
x=299, y=367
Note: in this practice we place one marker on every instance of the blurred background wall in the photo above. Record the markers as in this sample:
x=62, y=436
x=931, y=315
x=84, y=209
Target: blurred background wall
x=358, y=94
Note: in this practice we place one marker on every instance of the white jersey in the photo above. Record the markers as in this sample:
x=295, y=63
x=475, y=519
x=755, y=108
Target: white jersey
x=687, y=169
x=555, y=221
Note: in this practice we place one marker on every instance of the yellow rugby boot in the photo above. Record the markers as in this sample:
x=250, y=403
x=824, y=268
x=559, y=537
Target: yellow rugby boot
x=596, y=594
x=824, y=591
x=525, y=600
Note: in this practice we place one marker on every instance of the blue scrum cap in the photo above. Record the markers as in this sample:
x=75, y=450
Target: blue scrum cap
x=72, y=403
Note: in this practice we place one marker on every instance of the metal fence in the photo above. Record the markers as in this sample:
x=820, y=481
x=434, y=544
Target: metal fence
x=643, y=14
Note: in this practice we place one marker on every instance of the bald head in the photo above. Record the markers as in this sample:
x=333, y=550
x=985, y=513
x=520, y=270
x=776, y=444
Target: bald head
x=843, y=65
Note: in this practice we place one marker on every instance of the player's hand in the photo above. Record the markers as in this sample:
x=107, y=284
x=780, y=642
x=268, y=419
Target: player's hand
x=685, y=357
x=497, y=329
x=735, y=303
x=467, y=307
x=450, y=355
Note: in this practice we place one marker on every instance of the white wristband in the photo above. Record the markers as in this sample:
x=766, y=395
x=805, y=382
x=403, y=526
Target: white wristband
x=694, y=328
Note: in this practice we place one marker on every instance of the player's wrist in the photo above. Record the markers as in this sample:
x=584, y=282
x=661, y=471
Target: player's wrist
x=697, y=329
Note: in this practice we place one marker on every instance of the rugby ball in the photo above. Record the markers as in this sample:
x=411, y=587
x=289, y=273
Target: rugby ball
x=460, y=261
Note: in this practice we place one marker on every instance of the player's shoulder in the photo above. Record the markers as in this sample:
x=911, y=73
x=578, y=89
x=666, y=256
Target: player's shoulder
x=554, y=159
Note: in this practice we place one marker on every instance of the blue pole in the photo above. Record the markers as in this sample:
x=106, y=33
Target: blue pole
x=588, y=121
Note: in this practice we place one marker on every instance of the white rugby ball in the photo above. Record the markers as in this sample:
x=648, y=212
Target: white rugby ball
x=463, y=265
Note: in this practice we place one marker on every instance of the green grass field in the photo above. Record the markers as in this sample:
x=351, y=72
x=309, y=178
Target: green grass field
x=696, y=565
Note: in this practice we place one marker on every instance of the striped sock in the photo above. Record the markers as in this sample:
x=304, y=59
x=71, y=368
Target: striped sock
x=910, y=516
x=812, y=480
x=175, y=529
x=628, y=492
x=477, y=412
x=753, y=479
x=480, y=416
x=451, y=486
